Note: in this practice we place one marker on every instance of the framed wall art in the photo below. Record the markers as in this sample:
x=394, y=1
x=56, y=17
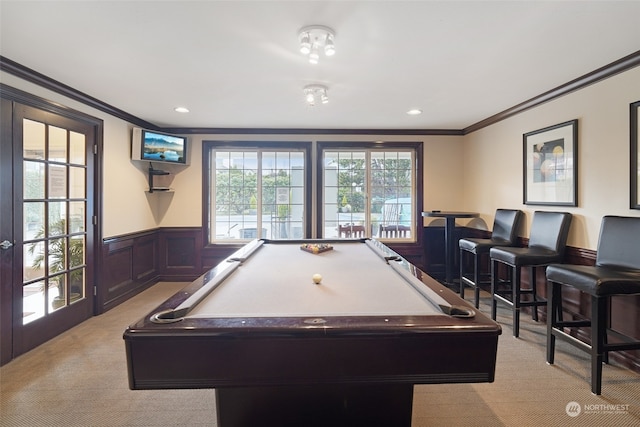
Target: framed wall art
x=635, y=153
x=550, y=163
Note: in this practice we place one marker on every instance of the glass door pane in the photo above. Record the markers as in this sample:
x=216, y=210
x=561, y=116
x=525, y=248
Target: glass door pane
x=54, y=216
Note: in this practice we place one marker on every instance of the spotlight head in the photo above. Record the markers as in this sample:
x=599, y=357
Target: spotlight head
x=313, y=38
x=329, y=47
x=315, y=93
x=310, y=98
x=314, y=56
x=305, y=43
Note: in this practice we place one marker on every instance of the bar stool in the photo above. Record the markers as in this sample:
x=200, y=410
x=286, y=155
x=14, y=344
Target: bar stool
x=504, y=233
x=616, y=272
x=547, y=243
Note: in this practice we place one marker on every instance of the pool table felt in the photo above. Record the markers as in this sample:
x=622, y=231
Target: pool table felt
x=277, y=281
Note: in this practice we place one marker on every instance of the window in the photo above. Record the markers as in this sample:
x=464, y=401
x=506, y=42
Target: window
x=370, y=192
x=257, y=192
x=263, y=190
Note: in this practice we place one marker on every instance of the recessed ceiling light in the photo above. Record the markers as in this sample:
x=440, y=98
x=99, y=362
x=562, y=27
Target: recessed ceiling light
x=414, y=112
x=181, y=109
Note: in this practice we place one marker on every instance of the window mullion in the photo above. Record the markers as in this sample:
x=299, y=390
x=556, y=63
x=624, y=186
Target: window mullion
x=367, y=194
x=259, y=192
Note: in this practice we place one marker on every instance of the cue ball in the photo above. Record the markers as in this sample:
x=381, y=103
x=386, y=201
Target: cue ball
x=316, y=278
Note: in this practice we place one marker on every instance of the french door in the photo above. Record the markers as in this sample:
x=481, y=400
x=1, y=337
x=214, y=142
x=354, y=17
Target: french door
x=46, y=224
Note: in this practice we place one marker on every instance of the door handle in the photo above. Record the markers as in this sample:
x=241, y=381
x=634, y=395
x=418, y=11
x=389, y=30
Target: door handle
x=5, y=244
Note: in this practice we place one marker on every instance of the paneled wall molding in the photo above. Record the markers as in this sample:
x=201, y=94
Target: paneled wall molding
x=129, y=266
x=180, y=253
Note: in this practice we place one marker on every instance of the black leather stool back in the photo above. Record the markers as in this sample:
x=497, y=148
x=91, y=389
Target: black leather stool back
x=547, y=243
x=504, y=233
x=619, y=242
x=549, y=230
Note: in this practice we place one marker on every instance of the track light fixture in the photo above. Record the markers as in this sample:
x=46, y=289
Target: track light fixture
x=315, y=93
x=316, y=38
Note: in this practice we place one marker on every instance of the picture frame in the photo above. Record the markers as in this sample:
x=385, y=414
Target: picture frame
x=550, y=165
x=634, y=116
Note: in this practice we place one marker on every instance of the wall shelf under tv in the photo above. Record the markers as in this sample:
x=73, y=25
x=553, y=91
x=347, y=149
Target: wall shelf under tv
x=154, y=173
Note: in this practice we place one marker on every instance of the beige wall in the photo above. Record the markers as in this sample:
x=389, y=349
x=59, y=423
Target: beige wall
x=478, y=172
x=492, y=157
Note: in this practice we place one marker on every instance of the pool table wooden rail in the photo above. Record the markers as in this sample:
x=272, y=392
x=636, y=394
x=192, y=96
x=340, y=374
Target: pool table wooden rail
x=278, y=351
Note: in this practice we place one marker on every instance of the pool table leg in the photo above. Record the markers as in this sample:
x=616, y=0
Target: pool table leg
x=315, y=405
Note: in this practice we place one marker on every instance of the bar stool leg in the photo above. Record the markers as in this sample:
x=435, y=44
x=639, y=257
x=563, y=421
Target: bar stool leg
x=515, y=292
x=605, y=306
x=598, y=332
x=534, y=292
x=554, y=295
x=494, y=287
x=476, y=278
x=462, y=272
x=560, y=316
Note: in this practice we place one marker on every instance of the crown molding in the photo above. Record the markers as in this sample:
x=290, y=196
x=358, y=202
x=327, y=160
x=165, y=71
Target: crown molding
x=25, y=73
x=619, y=66
x=616, y=67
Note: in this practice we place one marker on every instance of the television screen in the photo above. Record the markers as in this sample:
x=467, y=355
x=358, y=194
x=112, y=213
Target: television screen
x=161, y=147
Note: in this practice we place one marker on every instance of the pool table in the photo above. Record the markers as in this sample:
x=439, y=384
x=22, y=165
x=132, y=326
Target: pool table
x=282, y=350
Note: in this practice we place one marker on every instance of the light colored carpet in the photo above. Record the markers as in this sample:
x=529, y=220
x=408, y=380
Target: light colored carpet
x=80, y=379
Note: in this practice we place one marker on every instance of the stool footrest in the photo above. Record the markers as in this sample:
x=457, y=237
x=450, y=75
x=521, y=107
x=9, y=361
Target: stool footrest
x=469, y=281
x=533, y=303
x=573, y=324
x=628, y=344
x=507, y=300
x=571, y=339
x=503, y=299
x=622, y=346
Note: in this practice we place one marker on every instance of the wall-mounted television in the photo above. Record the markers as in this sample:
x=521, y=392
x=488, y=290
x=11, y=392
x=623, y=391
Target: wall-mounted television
x=153, y=146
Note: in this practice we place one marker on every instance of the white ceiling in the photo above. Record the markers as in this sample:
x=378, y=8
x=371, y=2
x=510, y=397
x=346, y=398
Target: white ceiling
x=235, y=64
